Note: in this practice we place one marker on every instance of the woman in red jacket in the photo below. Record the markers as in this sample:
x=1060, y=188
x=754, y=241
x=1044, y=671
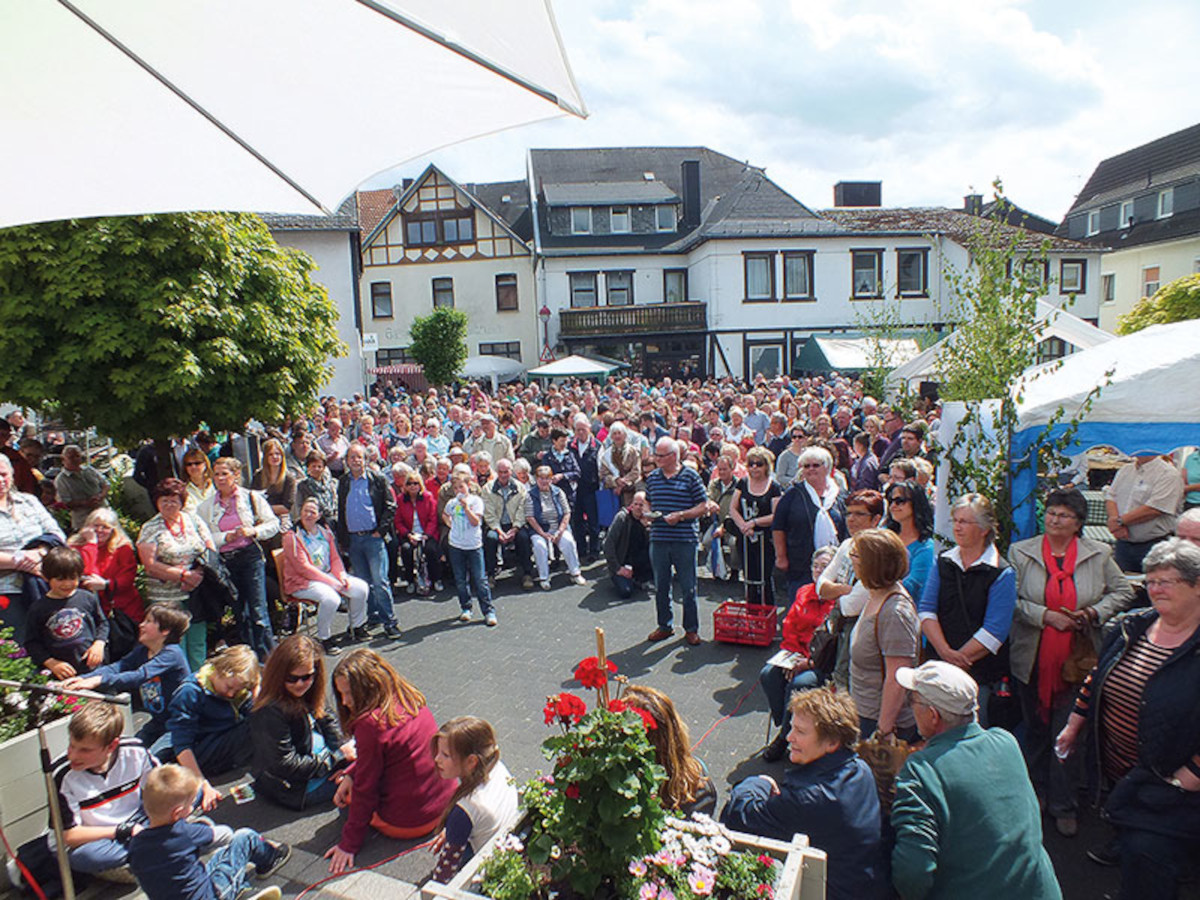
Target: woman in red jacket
x=778, y=683
x=417, y=531
x=313, y=570
x=393, y=785
x=110, y=564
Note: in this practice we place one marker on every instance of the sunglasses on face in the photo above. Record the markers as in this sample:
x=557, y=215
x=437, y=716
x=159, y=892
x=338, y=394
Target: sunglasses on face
x=298, y=679
x=814, y=465
x=755, y=465
x=899, y=501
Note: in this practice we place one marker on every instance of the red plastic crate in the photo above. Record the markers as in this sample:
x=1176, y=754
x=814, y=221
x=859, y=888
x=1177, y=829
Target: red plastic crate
x=744, y=623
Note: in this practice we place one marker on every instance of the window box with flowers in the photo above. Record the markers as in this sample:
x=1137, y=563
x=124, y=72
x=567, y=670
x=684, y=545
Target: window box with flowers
x=23, y=805
x=594, y=826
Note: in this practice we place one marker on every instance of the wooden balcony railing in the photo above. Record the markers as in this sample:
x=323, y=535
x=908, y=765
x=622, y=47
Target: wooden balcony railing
x=638, y=319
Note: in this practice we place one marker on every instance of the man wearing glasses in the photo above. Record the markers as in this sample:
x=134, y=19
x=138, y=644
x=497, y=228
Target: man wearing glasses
x=678, y=499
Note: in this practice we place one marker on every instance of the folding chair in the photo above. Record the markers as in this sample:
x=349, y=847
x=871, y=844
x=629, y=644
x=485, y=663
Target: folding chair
x=306, y=621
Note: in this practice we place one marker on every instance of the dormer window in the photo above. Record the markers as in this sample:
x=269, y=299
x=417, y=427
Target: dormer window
x=1093, y=222
x=1126, y=213
x=664, y=218
x=1166, y=203
x=619, y=220
x=581, y=220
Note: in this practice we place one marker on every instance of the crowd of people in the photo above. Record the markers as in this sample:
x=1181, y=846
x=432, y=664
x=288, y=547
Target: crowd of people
x=805, y=492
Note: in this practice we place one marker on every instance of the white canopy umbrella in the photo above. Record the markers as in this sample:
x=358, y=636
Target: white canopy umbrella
x=496, y=368
x=111, y=107
x=574, y=367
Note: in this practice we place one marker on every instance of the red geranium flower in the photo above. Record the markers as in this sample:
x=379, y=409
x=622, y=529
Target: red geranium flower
x=572, y=791
x=591, y=674
x=647, y=719
x=565, y=707
x=617, y=706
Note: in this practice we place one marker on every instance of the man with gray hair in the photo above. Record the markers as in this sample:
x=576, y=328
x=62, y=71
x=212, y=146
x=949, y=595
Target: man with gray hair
x=966, y=818
x=79, y=487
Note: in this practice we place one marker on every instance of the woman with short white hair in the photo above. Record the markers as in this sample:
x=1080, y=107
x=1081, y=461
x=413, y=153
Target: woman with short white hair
x=810, y=514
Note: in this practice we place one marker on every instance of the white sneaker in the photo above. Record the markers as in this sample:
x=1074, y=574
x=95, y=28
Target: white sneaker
x=545, y=584
x=466, y=616
x=578, y=578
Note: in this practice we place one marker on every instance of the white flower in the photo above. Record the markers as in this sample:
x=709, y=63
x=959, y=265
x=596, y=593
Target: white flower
x=555, y=851
x=721, y=845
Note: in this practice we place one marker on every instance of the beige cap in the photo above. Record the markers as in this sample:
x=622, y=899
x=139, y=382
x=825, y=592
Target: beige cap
x=942, y=685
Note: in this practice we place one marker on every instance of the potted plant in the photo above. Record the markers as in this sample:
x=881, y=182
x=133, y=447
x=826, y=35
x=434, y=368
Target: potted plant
x=594, y=826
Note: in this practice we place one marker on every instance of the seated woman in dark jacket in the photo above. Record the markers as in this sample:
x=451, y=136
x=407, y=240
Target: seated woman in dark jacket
x=829, y=795
x=298, y=746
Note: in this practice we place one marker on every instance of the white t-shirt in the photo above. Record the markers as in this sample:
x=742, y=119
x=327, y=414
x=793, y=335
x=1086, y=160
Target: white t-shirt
x=464, y=535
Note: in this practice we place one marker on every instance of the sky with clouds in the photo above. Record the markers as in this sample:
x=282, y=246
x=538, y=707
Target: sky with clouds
x=932, y=97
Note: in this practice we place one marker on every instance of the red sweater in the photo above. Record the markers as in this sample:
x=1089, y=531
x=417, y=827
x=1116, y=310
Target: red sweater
x=807, y=612
x=394, y=776
x=427, y=510
x=119, y=568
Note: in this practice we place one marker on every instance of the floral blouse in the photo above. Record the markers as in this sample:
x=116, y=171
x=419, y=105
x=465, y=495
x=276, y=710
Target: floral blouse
x=173, y=550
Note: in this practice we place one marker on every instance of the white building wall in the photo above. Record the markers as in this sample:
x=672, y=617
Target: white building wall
x=1174, y=259
x=336, y=266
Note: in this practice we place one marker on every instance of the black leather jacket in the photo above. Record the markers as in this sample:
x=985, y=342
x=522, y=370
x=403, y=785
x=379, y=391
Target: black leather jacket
x=284, y=761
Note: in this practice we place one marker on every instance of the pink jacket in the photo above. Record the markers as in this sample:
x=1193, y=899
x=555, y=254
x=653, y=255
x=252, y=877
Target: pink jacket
x=298, y=567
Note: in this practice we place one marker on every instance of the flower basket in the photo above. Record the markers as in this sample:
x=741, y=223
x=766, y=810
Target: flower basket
x=801, y=878
x=744, y=623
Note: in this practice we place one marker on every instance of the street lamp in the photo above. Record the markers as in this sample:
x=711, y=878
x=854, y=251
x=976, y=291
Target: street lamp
x=547, y=356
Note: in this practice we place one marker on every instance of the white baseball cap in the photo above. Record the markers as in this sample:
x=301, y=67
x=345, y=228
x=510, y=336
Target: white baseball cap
x=942, y=685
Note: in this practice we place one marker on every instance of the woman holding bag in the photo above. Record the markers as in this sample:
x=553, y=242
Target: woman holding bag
x=1067, y=587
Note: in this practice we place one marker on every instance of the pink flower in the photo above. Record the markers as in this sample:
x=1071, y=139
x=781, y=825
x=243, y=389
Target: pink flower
x=702, y=880
x=649, y=891
x=666, y=894
x=637, y=868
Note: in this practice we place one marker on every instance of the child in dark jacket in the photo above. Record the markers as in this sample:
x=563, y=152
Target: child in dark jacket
x=209, y=717
x=66, y=631
x=154, y=669
x=165, y=855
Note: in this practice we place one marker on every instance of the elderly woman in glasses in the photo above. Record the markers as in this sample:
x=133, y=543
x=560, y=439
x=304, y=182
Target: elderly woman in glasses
x=752, y=510
x=1140, y=702
x=1067, y=586
x=810, y=514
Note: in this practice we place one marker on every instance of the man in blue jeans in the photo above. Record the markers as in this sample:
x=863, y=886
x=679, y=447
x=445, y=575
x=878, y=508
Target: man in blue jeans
x=366, y=515
x=678, y=499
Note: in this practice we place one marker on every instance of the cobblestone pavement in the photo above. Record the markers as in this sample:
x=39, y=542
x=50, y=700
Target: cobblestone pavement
x=504, y=674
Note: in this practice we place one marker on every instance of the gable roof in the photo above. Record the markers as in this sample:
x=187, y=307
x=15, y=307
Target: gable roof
x=955, y=224
x=736, y=198
x=373, y=206
x=1159, y=162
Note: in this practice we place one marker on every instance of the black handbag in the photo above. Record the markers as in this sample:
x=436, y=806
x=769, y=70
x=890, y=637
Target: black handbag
x=216, y=591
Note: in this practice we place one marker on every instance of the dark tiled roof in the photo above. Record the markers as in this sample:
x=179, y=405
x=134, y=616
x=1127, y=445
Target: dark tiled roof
x=736, y=199
x=1152, y=231
x=373, y=206
x=514, y=211
x=1157, y=163
x=606, y=193
x=1022, y=218
x=345, y=219
x=952, y=223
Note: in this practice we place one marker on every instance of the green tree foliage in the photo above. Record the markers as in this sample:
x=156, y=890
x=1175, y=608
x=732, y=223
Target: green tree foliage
x=148, y=325
x=439, y=343
x=1175, y=301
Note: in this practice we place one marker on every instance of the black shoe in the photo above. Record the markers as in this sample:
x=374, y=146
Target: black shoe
x=1107, y=854
x=354, y=635
x=329, y=645
x=775, y=750
x=392, y=630
x=282, y=853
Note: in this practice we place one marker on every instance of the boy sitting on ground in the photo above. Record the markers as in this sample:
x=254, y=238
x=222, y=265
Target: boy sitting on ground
x=98, y=791
x=67, y=629
x=165, y=855
x=155, y=668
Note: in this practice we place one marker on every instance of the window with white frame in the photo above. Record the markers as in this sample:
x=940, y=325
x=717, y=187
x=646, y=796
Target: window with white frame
x=1093, y=222
x=381, y=299
x=619, y=220
x=798, y=275
x=581, y=220
x=506, y=292
x=674, y=285
x=760, y=277
x=912, y=273
x=1150, y=281
x=866, y=273
x=1166, y=203
x=664, y=218
x=443, y=293
x=1072, y=276
x=1108, y=288
x=1126, y=213
x=618, y=288
x=583, y=289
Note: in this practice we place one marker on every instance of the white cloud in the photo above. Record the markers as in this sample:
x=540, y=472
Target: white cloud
x=930, y=96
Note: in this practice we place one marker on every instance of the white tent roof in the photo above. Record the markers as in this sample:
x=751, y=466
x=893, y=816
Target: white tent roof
x=1153, y=377
x=861, y=353
x=487, y=366
x=572, y=366
x=1060, y=324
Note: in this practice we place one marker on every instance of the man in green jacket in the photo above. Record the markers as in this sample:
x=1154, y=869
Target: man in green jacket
x=965, y=815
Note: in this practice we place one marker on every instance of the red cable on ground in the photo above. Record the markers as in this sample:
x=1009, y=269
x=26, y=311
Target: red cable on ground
x=330, y=878
x=724, y=718
x=25, y=873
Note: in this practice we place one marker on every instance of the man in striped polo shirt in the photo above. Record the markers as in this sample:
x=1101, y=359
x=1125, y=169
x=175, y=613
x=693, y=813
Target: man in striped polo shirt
x=678, y=499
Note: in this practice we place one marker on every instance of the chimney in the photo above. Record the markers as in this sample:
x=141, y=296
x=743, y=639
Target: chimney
x=858, y=193
x=973, y=204
x=691, y=193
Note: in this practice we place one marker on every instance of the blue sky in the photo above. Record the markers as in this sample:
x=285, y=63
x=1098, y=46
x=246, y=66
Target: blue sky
x=933, y=97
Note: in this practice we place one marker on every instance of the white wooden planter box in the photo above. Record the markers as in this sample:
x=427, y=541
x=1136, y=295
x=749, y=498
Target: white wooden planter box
x=23, y=806
x=802, y=878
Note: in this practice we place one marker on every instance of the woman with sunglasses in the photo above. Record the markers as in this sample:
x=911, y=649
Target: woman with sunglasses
x=911, y=517
x=417, y=531
x=752, y=510
x=197, y=478
x=298, y=746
